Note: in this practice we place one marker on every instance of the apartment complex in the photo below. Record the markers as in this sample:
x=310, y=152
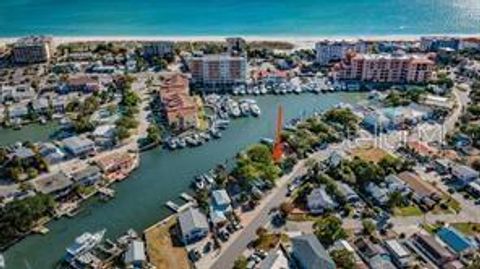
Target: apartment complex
x=180, y=108
x=158, y=48
x=395, y=68
x=328, y=51
x=218, y=70
x=32, y=49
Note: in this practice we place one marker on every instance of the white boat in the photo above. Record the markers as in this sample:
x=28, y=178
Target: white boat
x=2, y=261
x=84, y=243
x=256, y=91
x=255, y=110
x=298, y=90
x=172, y=143
x=205, y=136
x=209, y=179
x=263, y=89
x=190, y=141
x=199, y=182
x=245, y=109
x=181, y=142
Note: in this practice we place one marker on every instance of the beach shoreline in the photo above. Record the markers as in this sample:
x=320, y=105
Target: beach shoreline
x=298, y=41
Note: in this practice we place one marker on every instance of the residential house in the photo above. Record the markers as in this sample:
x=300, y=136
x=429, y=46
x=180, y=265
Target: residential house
x=193, y=225
x=57, y=185
x=87, y=176
x=456, y=241
x=40, y=106
x=309, y=253
x=318, y=201
x=16, y=93
x=135, y=255
x=221, y=206
x=25, y=155
x=379, y=195
x=442, y=166
x=423, y=190
x=105, y=135
x=421, y=150
x=276, y=259
x=59, y=104
x=464, y=173
x=350, y=195
x=51, y=153
x=116, y=162
x=438, y=101
x=401, y=256
x=80, y=84
x=395, y=184
x=17, y=111
x=79, y=146
x=430, y=247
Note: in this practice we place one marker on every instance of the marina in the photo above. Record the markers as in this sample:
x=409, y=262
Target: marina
x=162, y=176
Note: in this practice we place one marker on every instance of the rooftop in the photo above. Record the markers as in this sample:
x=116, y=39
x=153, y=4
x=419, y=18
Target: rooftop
x=52, y=183
x=192, y=219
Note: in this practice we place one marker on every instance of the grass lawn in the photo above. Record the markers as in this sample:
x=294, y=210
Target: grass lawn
x=467, y=228
x=163, y=252
x=370, y=154
x=269, y=241
x=302, y=217
x=406, y=211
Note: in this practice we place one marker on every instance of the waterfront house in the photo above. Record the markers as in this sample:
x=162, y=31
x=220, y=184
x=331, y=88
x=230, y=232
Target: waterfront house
x=79, y=146
x=318, y=201
x=87, y=176
x=135, y=256
x=378, y=194
x=51, y=153
x=58, y=185
x=431, y=248
x=25, y=155
x=464, y=173
x=401, y=256
x=221, y=200
x=17, y=111
x=309, y=253
x=104, y=135
x=193, y=225
x=116, y=163
x=180, y=108
x=456, y=241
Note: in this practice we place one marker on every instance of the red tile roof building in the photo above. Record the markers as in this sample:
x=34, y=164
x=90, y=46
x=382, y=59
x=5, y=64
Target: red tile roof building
x=180, y=108
x=396, y=68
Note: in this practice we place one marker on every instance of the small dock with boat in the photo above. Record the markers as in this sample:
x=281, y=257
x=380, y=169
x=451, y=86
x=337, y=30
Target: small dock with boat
x=190, y=201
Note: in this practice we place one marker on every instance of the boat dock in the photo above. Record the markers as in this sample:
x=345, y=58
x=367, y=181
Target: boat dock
x=177, y=208
x=106, y=192
x=185, y=196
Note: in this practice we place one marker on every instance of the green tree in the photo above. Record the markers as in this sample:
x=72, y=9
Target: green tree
x=395, y=199
x=240, y=263
x=329, y=229
x=368, y=226
x=343, y=258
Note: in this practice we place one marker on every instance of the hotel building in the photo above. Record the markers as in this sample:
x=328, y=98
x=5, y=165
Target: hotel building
x=32, y=49
x=328, y=51
x=218, y=70
x=180, y=108
x=394, y=68
x=158, y=48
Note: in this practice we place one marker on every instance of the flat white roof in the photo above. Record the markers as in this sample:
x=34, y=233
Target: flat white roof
x=396, y=247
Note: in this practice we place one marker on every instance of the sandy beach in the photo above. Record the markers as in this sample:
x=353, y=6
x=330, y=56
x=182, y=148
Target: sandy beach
x=299, y=42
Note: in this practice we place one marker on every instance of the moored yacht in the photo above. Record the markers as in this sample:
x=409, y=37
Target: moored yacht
x=83, y=244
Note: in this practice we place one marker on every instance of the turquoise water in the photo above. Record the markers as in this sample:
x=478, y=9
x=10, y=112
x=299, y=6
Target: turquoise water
x=162, y=176
x=246, y=17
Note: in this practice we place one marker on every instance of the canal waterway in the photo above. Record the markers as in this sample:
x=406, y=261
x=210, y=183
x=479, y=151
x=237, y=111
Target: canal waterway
x=32, y=132
x=162, y=176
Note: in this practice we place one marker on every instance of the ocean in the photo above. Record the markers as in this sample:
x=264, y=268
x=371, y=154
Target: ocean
x=298, y=18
